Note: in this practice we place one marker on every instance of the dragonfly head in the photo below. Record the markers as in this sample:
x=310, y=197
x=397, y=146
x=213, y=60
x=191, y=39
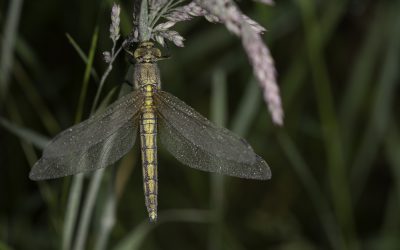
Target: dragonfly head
x=147, y=53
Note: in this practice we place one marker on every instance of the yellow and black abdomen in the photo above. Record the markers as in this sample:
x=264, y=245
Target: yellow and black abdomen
x=148, y=137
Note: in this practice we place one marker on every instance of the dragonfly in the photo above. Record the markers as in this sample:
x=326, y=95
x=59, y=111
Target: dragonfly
x=152, y=114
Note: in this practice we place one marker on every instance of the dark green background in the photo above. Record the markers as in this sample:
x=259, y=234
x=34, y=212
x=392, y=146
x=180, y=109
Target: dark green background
x=335, y=162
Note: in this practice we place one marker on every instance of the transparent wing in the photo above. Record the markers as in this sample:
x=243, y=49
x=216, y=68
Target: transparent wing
x=92, y=144
x=200, y=144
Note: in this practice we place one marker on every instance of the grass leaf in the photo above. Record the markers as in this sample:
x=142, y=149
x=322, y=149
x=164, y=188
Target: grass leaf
x=25, y=134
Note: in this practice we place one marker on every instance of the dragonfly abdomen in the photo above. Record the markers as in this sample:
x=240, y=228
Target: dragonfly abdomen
x=148, y=136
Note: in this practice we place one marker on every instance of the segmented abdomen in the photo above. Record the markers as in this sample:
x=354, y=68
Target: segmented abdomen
x=148, y=137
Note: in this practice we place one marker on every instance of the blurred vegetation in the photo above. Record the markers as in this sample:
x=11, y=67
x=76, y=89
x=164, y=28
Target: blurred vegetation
x=335, y=163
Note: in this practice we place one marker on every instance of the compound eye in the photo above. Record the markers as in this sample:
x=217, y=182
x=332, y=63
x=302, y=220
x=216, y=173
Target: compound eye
x=138, y=53
x=156, y=52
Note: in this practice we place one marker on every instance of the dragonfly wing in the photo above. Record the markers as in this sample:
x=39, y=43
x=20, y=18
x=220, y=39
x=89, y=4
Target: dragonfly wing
x=200, y=144
x=92, y=144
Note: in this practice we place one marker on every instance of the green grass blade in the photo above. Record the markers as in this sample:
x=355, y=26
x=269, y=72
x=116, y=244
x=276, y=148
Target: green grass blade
x=380, y=111
x=93, y=189
x=46, y=192
x=82, y=55
x=107, y=100
x=218, y=116
x=361, y=76
x=29, y=62
x=86, y=76
x=107, y=219
x=293, y=80
x=29, y=57
x=4, y=246
x=313, y=190
x=88, y=206
x=218, y=99
x=332, y=18
x=77, y=182
x=28, y=135
x=389, y=232
x=392, y=149
x=388, y=237
x=248, y=107
x=26, y=86
x=71, y=211
x=8, y=43
x=332, y=138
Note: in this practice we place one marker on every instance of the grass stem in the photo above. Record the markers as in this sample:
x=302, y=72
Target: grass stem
x=75, y=193
x=88, y=206
x=218, y=116
x=86, y=76
x=312, y=188
x=8, y=45
x=144, y=32
x=380, y=112
x=331, y=134
x=74, y=197
x=107, y=219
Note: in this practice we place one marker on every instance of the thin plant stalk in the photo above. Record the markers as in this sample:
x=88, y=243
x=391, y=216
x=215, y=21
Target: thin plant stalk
x=86, y=76
x=88, y=209
x=95, y=181
x=362, y=74
x=332, y=138
x=218, y=116
x=389, y=232
x=248, y=107
x=144, y=32
x=380, y=114
x=74, y=197
x=26, y=140
x=75, y=193
x=107, y=219
x=390, y=226
x=392, y=146
x=311, y=186
x=168, y=6
x=26, y=134
x=8, y=44
x=27, y=86
x=82, y=55
x=104, y=78
x=97, y=176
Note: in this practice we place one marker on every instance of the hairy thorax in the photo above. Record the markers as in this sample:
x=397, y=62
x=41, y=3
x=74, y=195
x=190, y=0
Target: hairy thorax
x=146, y=74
